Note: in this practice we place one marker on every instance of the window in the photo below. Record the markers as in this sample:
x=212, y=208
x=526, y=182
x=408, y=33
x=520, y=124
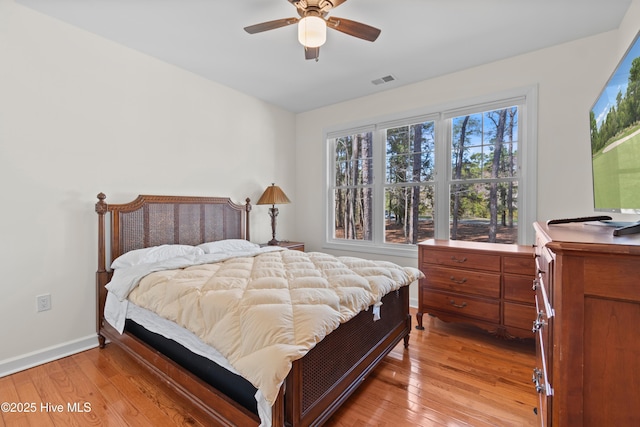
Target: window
x=464, y=173
x=409, y=182
x=484, y=176
x=353, y=177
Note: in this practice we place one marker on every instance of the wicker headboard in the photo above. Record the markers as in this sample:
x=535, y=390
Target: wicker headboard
x=156, y=220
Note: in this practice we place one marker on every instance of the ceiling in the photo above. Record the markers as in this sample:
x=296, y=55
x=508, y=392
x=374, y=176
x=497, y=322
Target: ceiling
x=420, y=39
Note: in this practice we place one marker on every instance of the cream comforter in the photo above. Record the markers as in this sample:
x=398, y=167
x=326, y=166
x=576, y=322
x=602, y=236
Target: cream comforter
x=262, y=312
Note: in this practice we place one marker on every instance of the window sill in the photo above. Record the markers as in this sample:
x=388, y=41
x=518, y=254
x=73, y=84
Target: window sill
x=407, y=251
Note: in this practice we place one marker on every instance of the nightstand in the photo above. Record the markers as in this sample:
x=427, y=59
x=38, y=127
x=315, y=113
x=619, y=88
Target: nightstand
x=296, y=246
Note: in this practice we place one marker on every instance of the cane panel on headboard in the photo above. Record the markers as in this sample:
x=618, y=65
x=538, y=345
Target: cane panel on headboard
x=156, y=220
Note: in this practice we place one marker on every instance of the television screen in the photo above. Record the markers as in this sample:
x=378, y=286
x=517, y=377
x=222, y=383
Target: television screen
x=615, y=138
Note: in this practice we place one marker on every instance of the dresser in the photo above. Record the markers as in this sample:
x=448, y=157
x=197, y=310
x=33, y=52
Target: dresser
x=485, y=284
x=587, y=293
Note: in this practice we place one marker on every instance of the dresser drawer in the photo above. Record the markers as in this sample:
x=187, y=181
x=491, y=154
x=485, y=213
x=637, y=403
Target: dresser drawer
x=461, y=259
x=463, y=281
x=542, y=298
x=519, y=315
x=519, y=265
x=518, y=288
x=461, y=305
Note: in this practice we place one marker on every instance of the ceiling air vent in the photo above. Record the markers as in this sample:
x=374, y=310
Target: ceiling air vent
x=385, y=79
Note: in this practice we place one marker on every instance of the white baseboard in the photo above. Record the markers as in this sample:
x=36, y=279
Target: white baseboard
x=29, y=360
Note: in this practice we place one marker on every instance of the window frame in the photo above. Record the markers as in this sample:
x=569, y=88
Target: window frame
x=526, y=100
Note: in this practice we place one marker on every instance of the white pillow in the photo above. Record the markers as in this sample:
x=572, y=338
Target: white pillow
x=228, y=245
x=154, y=254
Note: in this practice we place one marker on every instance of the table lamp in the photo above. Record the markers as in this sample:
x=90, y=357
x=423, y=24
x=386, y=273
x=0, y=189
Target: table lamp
x=273, y=196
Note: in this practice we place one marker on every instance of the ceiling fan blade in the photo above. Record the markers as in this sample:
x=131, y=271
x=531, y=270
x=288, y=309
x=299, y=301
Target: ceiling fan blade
x=312, y=53
x=353, y=28
x=271, y=25
x=336, y=3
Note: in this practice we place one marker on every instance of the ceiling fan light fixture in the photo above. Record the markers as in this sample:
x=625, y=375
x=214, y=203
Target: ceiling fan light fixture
x=312, y=31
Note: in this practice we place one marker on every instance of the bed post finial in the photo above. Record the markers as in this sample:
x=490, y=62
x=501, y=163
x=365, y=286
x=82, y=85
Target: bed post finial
x=101, y=205
x=101, y=210
x=247, y=208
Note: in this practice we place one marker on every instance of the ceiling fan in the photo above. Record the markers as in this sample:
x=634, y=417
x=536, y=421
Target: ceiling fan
x=313, y=23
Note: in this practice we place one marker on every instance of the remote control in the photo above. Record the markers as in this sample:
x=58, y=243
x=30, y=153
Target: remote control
x=578, y=219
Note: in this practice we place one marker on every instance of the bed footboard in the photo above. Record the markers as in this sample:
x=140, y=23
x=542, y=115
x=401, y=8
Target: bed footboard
x=323, y=379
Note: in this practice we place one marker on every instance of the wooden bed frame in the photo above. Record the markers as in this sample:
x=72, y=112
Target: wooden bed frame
x=317, y=384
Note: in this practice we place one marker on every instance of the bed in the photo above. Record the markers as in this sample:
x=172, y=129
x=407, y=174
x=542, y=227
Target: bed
x=316, y=384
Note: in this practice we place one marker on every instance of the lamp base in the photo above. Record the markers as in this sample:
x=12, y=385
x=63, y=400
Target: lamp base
x=273, y=213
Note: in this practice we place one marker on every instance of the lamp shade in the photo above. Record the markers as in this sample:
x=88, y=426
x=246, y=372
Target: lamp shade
x=273, y=195
x=312, y=31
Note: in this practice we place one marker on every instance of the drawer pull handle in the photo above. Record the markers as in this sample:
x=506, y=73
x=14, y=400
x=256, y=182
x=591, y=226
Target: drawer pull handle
x=537, y=376
x=453, y=303
x=539, y=322
x=461, y=260
x=460, y=282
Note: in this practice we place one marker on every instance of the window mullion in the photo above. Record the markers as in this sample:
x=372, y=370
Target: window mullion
x=443, y=172
x=379, y=181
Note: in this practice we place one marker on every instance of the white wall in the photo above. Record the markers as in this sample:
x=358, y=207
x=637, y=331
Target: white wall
x=569, y=77
x=80, y=115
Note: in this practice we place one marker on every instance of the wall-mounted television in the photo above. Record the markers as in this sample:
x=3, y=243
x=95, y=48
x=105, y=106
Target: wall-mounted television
x=615, y=139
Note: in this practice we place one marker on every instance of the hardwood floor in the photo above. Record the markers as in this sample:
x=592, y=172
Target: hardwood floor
x=449, y=376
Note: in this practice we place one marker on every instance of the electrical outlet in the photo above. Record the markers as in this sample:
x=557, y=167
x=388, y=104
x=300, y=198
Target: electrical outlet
x=43, y=302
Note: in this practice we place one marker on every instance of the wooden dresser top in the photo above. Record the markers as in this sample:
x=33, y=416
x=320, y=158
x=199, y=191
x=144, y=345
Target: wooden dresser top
x=464, y=245
x=588, y=237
